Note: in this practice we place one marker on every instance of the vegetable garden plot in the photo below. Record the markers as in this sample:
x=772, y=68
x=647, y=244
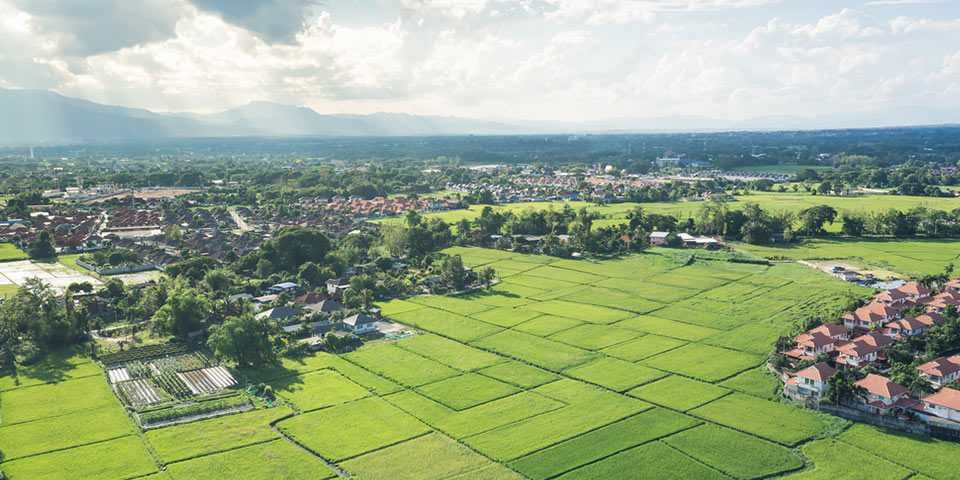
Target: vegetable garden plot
x=139, y=393
x=117, y=375
x=599, y=443
x=207, y=380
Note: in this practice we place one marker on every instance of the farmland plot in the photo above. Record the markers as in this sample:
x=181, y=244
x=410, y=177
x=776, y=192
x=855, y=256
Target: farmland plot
x=654, y=461
x=180, y=442
x=430, y=457
x=774, y=421
x=276, y=460
x=734, y=453
x=117, y=459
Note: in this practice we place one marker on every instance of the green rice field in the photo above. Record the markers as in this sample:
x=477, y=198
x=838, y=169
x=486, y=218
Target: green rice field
x=648, y=366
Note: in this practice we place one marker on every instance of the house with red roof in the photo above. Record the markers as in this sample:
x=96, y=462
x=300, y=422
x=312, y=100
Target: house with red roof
x=817, y=341
x=870, y=316
x=862, y=350
x=881, y=395
x=944, y=404
x=931, y=319
x=905, y=327
x=915, y=291
x=810, y=383
x=941, y=371
x=941, y=301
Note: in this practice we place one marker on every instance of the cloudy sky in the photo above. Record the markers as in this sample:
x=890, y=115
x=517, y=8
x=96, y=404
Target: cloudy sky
x=495, y=59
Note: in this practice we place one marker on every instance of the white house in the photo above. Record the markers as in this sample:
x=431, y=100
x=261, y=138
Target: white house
x=944, y=404
x=658, y=238
x=941, y=371
x=882, y=394
x=811, y=382
x=359, y=324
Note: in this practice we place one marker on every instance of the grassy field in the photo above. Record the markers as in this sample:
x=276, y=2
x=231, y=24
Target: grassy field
x=644, y=367
x=912, y=258
x=771, y=201
x=10, y=252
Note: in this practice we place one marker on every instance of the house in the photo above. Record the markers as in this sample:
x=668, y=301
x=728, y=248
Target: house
x=915, y=291
x=336, y=287
x=278, y=313
x=283, y=287
x=870, y=316
x=930, y=319
x=882, y=395
x=359, y=324
x=941, y=301
x=658, y=238
x=308, y=298
x=862, y=350
x=941, y=371
x=810, y=383
x=891, y=297
x=817, y=341
x=325, y=306
x=905, y=327
x=944, y=404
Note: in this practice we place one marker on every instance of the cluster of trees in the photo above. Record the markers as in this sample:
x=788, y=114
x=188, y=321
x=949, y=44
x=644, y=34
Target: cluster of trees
x=916, y=221
x=37, y=320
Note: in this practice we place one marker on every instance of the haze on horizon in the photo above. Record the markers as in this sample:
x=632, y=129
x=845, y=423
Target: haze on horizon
x=512, y=60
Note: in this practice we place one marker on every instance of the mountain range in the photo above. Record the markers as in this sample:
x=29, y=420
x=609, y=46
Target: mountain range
x=35, y=117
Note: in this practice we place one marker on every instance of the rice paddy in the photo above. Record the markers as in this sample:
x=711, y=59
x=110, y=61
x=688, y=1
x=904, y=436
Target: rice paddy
x=651, y=369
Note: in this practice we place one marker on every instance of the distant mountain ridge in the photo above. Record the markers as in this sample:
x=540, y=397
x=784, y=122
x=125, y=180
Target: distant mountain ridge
x=37, y=117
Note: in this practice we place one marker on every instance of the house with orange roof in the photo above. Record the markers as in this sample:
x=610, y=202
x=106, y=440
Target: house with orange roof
x=941, y=371
x=915, y=291
x=944, y=404
x=905, y=327
x=871, y=315
x=817, y=341
x=931, y=319
x=941, y=301
x=881, y=395
x=862, y=350
x=810, y=383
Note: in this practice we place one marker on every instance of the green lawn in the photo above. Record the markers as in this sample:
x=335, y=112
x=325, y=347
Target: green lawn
x=10, y=252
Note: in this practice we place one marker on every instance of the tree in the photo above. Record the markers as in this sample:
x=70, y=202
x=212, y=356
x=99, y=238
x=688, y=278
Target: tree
x=813, y=219
x=842, y=388
x=264, y=268
x=245, y=340
x=37, y=313
x=218, y=280
x=314, y=275
x=487, y=276
x=186, y=310
x=853, y=225
x=906, y=374
x=42, y=247
x=453, y=273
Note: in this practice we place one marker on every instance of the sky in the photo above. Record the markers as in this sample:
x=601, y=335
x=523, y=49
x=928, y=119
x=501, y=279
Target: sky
x=562, y=60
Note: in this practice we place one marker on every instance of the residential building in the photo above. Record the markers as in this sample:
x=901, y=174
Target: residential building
x=283, y=287
x=817, y=341
x=658, y=238
x=871, y=316
x=941, y=371
x=944, y=404
x=359, y=324
x=905, y=327
x=862, y=350
x=882, y=395
x=278, y=313
x=810, y=383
